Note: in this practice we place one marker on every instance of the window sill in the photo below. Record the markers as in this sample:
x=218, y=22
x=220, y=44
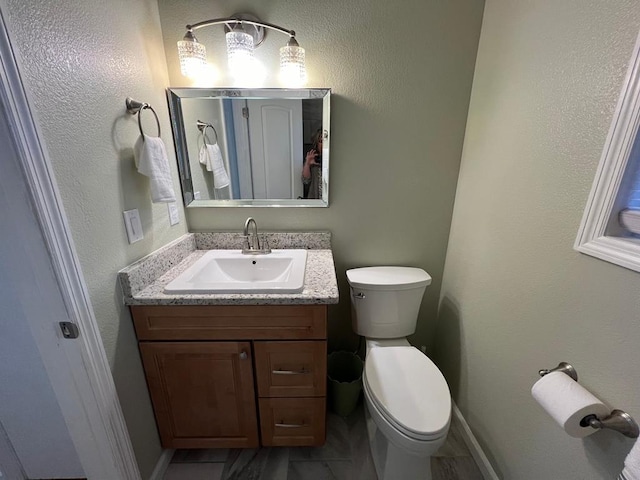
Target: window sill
x=620, y=251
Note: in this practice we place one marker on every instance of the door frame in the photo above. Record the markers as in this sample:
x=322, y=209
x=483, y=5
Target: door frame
x=101, y=437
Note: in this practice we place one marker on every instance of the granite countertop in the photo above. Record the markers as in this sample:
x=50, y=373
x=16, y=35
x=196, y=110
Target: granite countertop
x=143, y=282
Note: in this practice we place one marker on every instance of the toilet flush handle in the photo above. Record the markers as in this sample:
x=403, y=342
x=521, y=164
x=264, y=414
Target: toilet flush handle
x=360, y=296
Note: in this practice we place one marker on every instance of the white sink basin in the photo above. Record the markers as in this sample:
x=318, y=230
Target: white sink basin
x=229, y=271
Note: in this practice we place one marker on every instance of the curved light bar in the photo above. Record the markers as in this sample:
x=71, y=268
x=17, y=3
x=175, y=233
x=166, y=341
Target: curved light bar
x=240, y=47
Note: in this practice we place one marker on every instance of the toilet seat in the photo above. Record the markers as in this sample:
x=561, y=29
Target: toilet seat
x=409, y=391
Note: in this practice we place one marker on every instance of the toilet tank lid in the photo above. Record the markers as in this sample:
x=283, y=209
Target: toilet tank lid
x=388, y=277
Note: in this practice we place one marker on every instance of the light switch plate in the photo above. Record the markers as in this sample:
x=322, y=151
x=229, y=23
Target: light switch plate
x=174, y=217
x=133, y=225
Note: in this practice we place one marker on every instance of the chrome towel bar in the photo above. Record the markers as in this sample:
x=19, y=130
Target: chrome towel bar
x=135, y=107
x=202, y=126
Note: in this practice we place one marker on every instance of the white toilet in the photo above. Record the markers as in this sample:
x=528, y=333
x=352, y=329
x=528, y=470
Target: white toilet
x=408, y=403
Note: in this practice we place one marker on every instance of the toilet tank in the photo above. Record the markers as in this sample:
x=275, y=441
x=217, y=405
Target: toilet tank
x=385, y=300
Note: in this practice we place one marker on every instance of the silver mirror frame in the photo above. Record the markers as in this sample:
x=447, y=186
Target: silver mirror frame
x=174, y=96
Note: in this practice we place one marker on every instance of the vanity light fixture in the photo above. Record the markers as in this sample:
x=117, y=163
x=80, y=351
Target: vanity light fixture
x=244, y=33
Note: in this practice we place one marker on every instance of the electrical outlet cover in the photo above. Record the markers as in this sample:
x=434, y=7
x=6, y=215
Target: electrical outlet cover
x=174, y=217
x=133, y=225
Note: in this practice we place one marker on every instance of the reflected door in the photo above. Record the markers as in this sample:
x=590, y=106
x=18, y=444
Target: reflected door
x=275, y=136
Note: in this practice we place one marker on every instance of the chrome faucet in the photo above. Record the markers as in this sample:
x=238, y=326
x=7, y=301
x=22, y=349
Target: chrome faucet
x=253, y=239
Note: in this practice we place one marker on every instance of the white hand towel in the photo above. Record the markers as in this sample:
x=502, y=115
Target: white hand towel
x=211, y=156
x=631, y=470
x=151, y=161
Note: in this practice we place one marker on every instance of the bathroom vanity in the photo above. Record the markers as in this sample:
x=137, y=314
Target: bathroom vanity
x=233, y=370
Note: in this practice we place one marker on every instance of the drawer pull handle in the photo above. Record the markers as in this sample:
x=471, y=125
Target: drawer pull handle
x=243, y=355
x=290, y=372
x=290, y=425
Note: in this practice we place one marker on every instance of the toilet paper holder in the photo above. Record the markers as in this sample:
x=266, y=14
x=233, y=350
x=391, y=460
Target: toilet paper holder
x=563, y=367
x=617, y=420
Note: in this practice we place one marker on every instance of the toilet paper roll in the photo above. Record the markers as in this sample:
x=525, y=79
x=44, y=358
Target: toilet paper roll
x=568, y=402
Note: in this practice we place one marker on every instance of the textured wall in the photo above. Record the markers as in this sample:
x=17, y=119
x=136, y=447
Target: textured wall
x=80, y=59
x=516, y=297
x=401, y=80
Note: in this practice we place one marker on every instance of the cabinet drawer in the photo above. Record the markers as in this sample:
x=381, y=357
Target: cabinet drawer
x=291, y=369
x=230, y=322
x=292, y=422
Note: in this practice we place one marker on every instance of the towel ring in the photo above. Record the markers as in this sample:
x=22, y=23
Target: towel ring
x=202, y=126
x=134, y=107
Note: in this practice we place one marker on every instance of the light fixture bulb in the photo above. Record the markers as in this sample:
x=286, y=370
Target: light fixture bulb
x=293, y=71
x=239, y=53
x=192, y=55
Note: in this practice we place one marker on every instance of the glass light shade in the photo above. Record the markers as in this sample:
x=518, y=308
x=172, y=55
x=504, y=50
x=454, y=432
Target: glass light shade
x=293, y=71
x=193, y=57
x=239, y=53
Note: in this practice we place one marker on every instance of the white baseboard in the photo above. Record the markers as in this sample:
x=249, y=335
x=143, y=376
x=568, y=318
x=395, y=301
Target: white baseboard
x=162, y=465
x=474, y=447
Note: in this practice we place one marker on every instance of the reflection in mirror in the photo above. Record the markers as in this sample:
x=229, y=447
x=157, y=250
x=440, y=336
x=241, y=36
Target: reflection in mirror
x=252, y=147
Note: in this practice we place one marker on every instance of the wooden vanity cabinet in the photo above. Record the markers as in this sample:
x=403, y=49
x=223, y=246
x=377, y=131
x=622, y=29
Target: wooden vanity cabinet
x=235, y=376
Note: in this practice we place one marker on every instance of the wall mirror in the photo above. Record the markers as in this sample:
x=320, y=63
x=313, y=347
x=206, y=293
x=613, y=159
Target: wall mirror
x=247, y=147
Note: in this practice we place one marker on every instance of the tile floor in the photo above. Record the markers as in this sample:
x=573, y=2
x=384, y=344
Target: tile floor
x=345, y=456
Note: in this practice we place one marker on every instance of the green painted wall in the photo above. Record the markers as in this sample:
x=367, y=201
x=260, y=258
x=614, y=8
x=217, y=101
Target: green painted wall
x=400, y=80
x=516, y=297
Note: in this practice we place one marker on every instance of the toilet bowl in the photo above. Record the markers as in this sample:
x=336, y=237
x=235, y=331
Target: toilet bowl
x=407, y=399
x=408, y=407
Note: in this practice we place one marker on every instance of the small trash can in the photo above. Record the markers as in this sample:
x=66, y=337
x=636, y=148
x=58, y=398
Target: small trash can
x=344, y=370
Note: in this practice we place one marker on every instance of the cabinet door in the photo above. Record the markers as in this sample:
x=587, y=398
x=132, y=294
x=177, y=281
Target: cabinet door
x=202, y=393
x=291, y=369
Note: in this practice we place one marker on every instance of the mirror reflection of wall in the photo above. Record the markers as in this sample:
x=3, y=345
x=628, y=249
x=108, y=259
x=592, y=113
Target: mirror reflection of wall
x=277, y=132
x=210, y=111
x=263, y=137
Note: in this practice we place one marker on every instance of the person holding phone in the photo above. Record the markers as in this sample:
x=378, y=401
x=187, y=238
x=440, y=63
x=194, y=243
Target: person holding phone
x=312, y=168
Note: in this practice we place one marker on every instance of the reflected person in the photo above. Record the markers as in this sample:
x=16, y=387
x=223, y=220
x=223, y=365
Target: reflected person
x=312, y=168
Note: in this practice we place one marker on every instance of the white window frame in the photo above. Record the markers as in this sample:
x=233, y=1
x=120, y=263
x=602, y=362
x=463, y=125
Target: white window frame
x=592, y=239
